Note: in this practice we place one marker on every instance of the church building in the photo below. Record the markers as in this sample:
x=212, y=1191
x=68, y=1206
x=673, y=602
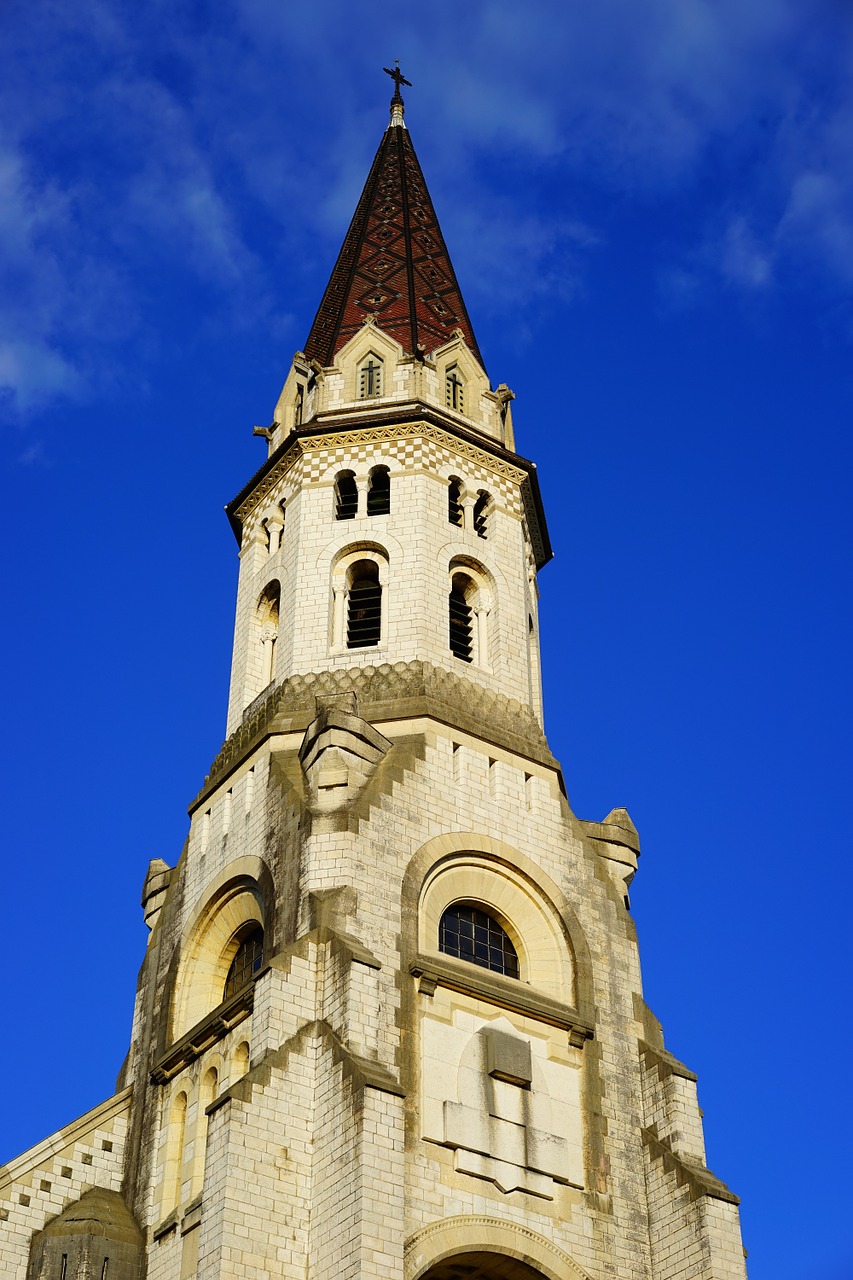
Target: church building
x=390, y=1022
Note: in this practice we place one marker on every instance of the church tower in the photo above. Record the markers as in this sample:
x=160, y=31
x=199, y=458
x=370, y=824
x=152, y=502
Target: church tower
x=390, y=1023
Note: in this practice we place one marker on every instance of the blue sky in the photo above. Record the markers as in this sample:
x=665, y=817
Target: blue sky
x=650, y=211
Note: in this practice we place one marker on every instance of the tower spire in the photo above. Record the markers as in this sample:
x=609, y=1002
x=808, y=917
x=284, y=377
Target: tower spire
x=394, y=264
x=397, y=105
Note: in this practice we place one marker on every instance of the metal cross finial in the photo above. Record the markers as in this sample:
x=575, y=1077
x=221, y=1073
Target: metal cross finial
x=398, y=78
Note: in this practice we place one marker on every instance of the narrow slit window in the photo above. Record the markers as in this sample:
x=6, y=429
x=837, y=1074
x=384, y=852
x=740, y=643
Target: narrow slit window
x=473, y=935
x=364, y=616
x=454, y=391
x=460, y=623
x=346, y=496
x=370, y=378
x=379, y=492
x=454, y=502
x=298, y=405
x=246, y=963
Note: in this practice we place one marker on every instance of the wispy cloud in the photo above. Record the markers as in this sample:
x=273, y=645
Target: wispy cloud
x=149, y=147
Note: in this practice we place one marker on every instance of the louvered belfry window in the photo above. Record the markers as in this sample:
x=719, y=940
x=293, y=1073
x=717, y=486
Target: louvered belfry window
x=246, y=963
x=379, y=492
x=454, y=502
x=481, y=514
x=473, y=935
x=364, y=616
x=346, y=496
x=461, y=636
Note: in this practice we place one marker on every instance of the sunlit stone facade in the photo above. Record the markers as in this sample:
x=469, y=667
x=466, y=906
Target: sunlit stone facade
x=390, y=1022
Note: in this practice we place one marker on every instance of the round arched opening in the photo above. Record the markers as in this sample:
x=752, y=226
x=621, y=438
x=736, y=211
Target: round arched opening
x=482, y=1266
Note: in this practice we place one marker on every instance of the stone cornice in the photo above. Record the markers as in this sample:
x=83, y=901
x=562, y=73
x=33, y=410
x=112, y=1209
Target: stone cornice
x=393, y=422
x=508, y=993
x=666, y=1064
x=690, y=1173
x=205, y=1033
x=402, y=690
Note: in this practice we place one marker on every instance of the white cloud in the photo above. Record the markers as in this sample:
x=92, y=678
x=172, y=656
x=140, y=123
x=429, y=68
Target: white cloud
x=157, y=139
x=33, y=374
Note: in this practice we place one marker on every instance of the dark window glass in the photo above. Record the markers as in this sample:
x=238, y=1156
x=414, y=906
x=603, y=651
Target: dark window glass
x=460, y=625
x=379, y=492
x=364, y=617
x=346, y=496
x=454, y=503
x=472, y=934
x=246, y=963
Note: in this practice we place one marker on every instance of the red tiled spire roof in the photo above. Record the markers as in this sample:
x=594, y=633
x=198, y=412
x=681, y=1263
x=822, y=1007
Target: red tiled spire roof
x=394, y=263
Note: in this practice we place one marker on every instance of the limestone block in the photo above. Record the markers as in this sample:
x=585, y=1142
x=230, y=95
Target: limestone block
x=508, y=1058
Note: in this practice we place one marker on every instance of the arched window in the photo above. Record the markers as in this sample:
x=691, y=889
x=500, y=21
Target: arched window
x=246, y=963
x=482, y=511
x=207, y=1094
x=364, y=614
x=370, y=377
x=480, y=1265
x=268, y=618
x=454, y=393
x=346, y=496
x=472, y=934
x=459, y=618
x=174, y=1164
x=240, y=1064
x=379, y=492
x=454, y=502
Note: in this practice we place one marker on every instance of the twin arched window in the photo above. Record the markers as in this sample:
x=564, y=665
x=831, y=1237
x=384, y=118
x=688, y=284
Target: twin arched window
x=481, y=514
x=378, y=494
x=472, y=934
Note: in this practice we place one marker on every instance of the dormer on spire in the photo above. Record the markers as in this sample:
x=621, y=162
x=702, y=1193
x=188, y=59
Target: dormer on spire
x=394, y=263
x=397, y=106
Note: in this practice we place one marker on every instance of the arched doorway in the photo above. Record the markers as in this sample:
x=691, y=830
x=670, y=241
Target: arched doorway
x=482, y=1266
